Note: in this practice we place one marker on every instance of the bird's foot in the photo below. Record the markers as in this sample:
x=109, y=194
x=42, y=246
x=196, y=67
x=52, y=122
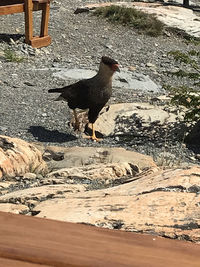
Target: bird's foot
x=93, y=137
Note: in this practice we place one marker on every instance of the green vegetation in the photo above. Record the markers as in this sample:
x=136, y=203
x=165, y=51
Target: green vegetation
x=185, y=58
x=11, y=56
x=189, y=98
x=182, y=73
x=183, y=95
x=147, y=23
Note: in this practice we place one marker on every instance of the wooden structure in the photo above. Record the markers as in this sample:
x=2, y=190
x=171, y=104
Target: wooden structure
x=31, y=241
x=28, y=6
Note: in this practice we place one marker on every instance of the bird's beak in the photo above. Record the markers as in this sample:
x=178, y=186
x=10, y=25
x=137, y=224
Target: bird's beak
x=115, y=67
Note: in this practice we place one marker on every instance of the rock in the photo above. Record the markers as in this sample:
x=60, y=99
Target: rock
x=193, y=137
x=137, y=119
x=17, y=209
x=176, y=17
x=18, y=157
x=134, y=81
x=40, y=193
x=85, y=156
x=29, y=176
x=198, y=156
x=107, y=172
x=164, y=203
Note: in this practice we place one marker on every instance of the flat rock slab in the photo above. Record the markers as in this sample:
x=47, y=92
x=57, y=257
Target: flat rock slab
x=172, y=16
x=36, y=194
x=125, y=79
x=84, y=156
x=101, y=172
x=165, y=203
x=13, y=208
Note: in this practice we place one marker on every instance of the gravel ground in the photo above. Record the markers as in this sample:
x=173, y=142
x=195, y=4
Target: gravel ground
x=78, y=41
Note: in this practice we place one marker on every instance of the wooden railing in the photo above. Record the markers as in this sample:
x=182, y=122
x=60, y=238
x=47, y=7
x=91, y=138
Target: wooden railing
x=30, y=241
x=28, y=6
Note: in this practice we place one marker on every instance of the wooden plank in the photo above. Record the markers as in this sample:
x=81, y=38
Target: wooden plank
x=18, y=8
x=38, y=42
x=28, y=7
x=45, y=20
x=11, y=9
x=10, y=2
x=15, y=263
x=54, y=243
x=42, y=1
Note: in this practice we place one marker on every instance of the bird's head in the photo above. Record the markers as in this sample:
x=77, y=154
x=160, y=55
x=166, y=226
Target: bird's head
x=110, y=64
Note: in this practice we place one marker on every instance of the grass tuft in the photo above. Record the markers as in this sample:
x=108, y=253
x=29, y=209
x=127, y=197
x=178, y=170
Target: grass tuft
x=146, y=23
x=11, y=56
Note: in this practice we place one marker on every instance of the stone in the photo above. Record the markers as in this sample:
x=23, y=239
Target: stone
x=177, y=17
x=85, y=156
x=164, y=203
x=18, y=157
x=193, y=137
x=40, y=193
x=133, y=80
x=135, y=119
x=29, y=176
x=13, y=208
x=106, y=172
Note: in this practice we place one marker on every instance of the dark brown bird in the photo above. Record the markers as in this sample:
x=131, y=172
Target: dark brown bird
x=91, y=93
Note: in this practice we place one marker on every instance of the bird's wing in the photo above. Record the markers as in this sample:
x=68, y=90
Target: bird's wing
x=75, y=89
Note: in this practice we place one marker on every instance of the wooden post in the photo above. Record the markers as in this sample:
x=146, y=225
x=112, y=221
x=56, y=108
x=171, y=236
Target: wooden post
x=28, y=8
x=45, y=20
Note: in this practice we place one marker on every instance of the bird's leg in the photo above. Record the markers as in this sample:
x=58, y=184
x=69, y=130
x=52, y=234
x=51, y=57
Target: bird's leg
x=77, y=124
x=93, y=137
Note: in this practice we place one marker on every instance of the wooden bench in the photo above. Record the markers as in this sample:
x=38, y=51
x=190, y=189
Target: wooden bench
x=28, y=6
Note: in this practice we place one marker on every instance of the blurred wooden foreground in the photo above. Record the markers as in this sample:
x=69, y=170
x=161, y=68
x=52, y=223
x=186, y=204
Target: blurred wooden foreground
x=30, y=241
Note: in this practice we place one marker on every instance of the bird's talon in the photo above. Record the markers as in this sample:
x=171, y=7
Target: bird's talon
x=94, y=138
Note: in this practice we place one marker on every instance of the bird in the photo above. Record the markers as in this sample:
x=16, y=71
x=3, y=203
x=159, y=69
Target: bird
x=90, y=94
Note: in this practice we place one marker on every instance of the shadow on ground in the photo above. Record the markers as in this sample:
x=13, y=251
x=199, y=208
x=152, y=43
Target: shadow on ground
x=45, y=135
x=5, y=37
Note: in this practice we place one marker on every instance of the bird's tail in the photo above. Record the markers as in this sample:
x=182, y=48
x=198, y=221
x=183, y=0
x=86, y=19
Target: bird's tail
x=56, y=90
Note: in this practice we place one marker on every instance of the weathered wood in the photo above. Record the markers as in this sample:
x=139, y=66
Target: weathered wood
x=28, y=6
x=33, y=240
x=38, y=42
x=15, y=263
x=10, y=2
x=11, y=9
x=45, y=20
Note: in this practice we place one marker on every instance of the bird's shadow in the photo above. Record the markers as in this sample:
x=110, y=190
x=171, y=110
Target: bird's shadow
x=54, y=136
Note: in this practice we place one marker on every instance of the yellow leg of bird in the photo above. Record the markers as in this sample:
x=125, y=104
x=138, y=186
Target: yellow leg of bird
x=93, y=137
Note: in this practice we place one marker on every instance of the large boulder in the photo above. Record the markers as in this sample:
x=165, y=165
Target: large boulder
x=18, y=157
x=135, y=119
x=165, y=203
